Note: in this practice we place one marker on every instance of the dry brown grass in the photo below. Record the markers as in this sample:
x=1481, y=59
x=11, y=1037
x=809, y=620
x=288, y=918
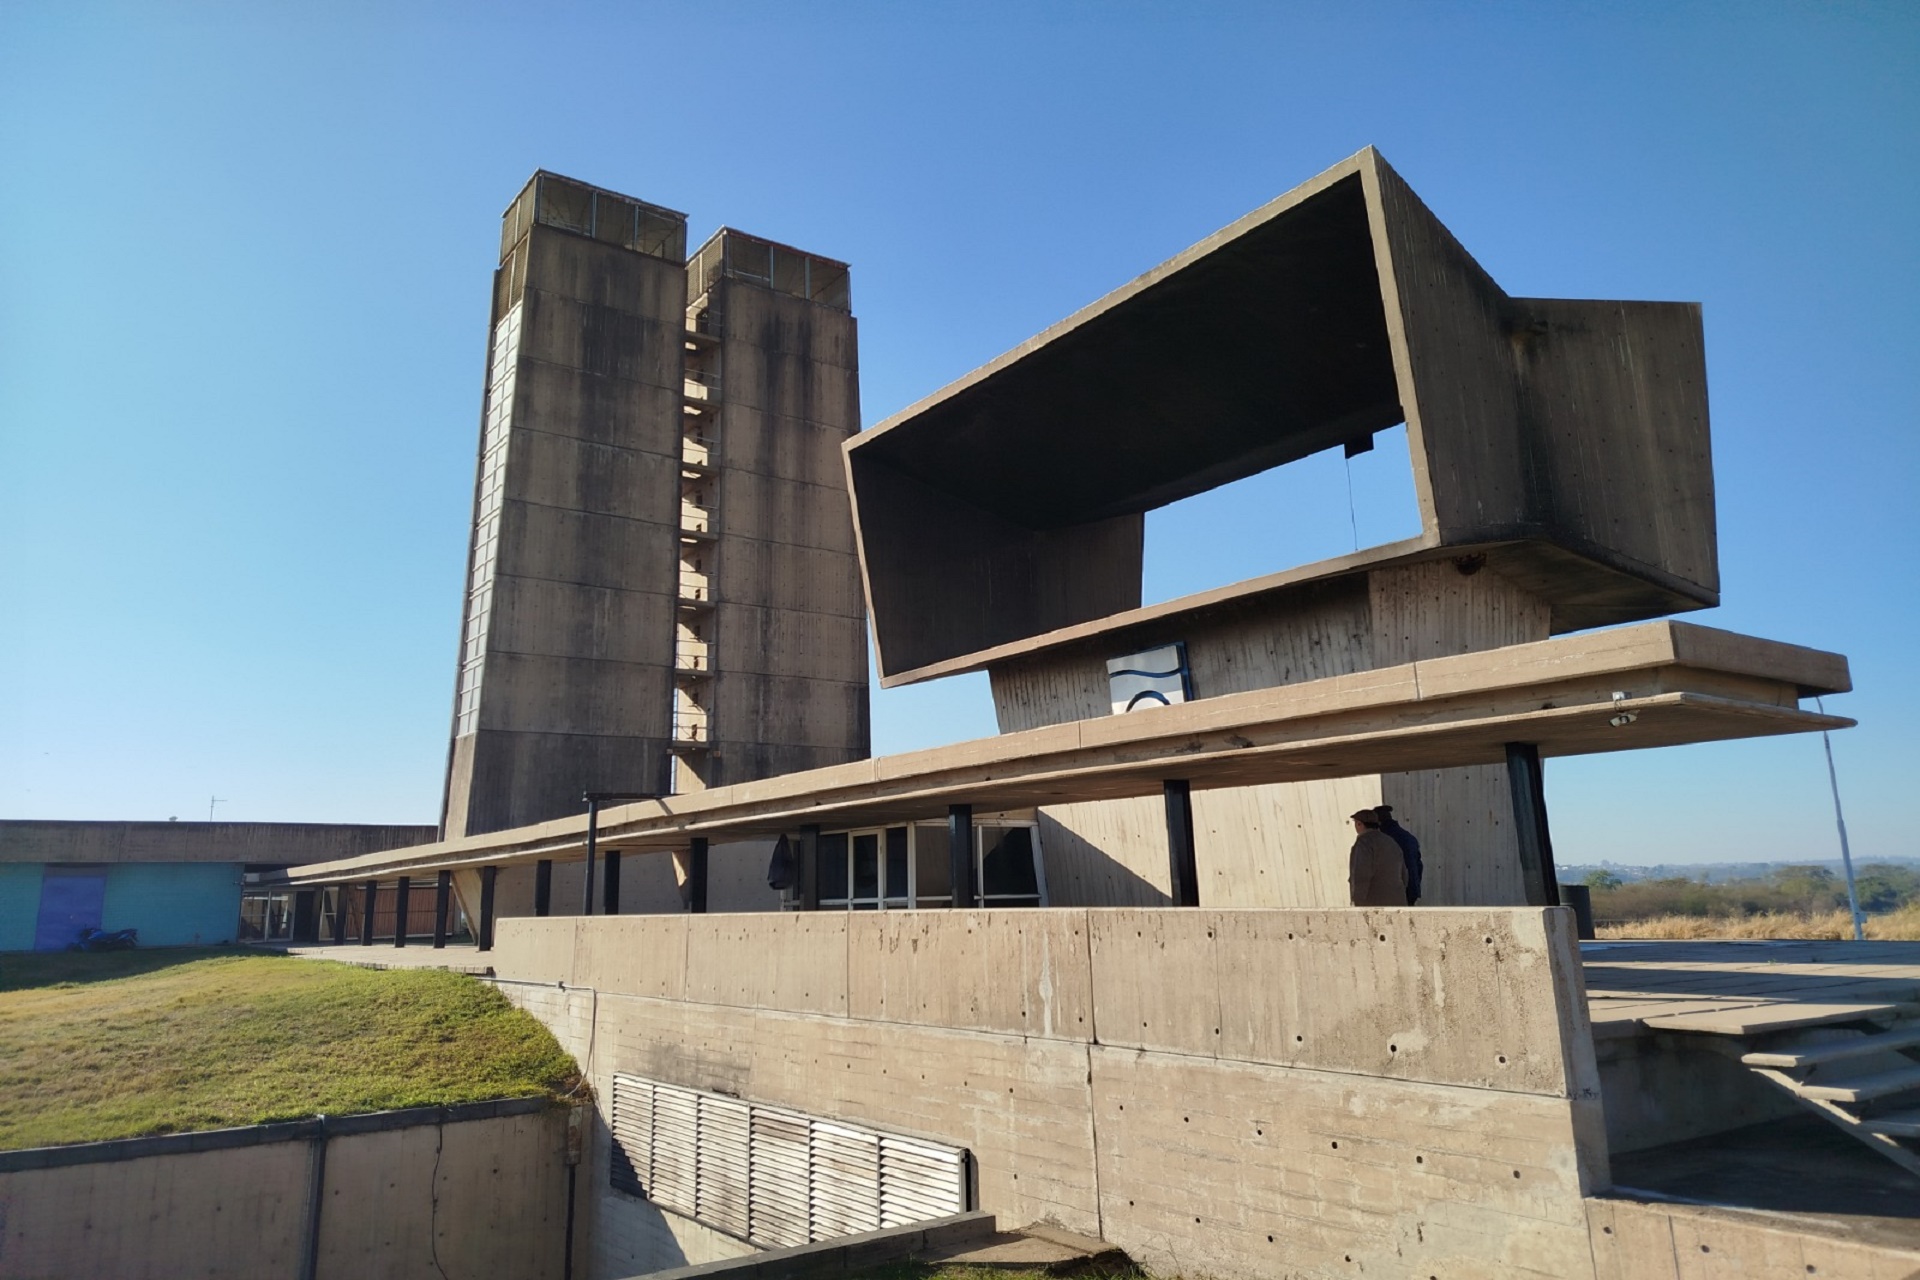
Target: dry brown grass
x=1902, y=925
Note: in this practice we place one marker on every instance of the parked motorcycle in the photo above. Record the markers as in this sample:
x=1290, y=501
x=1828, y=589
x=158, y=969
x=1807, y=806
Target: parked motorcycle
x=101, y=940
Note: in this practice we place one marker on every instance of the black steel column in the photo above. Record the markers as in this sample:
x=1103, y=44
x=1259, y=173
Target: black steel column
x=483, y=931
x=1530, y=824
x=1182, y=868
x=366, y=918
x=543, y=887
x=610, y=900
x=340, y=892
x=400, y=911
x=966, y=891
x=810, y=867
x=697, y=875
x=442, y=894
x=306, y=915
x=593, y=834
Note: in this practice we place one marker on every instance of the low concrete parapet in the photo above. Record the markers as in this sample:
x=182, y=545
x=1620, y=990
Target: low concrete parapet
x=462, y=1190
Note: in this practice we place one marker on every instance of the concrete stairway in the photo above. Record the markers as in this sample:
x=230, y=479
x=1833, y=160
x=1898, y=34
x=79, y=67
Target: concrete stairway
x=1866, y=1083
x=1040, y=1247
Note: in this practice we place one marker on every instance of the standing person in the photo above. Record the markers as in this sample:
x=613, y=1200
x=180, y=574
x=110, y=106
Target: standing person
x=1376, y=871
x=1409, y=850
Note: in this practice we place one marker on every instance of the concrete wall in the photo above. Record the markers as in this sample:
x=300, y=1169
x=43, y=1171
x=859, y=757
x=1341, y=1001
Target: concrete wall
x=33, y=840
x=171, y=904
x=174, y=906
x=1217, y=1092
x=575, y=621
x=1285, y=844
x=19, y=904
x=466, y=1198
x=787, y=686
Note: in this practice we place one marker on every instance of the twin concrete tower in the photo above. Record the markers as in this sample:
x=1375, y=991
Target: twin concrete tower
x=662, y=589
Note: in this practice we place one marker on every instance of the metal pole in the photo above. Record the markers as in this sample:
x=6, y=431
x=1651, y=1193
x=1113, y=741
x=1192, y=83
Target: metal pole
x=442, y=895
x=316, y=1199
x=593, y=833
x=1840, y=821
x=400, y=905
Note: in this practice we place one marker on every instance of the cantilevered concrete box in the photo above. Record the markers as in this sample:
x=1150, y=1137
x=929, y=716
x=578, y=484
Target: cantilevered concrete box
x=1566, y=441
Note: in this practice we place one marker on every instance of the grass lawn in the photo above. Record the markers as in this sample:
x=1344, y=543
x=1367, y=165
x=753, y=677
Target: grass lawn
x=127, y=1044
x=1902, y=926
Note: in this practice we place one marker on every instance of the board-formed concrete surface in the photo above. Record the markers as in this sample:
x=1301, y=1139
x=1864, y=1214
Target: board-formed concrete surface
x=1347, y=1083
x=461, y=1197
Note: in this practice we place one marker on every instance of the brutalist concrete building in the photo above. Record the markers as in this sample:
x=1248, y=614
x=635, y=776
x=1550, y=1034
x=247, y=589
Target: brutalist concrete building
x=662, y=592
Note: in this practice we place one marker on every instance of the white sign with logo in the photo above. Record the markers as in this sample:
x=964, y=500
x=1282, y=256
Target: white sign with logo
x=1155, y=678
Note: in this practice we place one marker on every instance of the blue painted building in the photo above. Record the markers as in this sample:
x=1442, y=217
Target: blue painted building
x=178, y=883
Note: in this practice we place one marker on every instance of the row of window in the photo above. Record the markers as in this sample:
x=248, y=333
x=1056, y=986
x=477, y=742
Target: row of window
x=906, y=867
x=503, y=361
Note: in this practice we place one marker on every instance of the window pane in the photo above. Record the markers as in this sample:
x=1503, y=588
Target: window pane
x=933, y=872
x=1007, y=867
x=866, y=865
x=896, y=864
x=833, y=868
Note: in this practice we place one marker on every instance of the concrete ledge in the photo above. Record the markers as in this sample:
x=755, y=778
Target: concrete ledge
x=255, y=1135
x=846, y=1253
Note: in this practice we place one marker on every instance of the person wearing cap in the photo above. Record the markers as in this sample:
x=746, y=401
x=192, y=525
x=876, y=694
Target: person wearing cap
x=1409, y=851
x=1376, y=871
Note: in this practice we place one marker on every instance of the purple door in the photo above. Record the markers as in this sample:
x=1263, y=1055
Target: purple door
x=70, y=900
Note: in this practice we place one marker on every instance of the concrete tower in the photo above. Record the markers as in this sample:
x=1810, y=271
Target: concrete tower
x=649, y=557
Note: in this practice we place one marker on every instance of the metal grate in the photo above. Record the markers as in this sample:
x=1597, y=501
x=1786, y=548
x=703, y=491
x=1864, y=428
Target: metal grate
x=774, y=1177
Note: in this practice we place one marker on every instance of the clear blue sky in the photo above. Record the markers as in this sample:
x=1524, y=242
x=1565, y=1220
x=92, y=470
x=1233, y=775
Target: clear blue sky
x=246, y=261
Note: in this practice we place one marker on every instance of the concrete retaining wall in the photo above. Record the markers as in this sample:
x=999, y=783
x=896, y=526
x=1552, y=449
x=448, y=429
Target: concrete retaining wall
x=1216, y=1092
x=461, y=1191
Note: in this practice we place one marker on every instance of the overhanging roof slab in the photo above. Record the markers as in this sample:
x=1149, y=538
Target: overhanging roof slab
x=1683, y=684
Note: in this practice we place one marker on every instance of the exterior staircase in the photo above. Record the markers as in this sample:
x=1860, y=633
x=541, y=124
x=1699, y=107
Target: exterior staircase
x=1860, y=1075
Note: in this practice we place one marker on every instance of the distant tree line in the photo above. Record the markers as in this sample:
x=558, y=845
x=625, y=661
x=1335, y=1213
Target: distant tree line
x=1790, y=890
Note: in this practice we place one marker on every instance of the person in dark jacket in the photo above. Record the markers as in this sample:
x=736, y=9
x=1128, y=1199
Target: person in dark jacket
x=1409, y=850
x=1376, y=871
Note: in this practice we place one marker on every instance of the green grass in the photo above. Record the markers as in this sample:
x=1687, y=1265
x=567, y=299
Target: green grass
x=128, y=1044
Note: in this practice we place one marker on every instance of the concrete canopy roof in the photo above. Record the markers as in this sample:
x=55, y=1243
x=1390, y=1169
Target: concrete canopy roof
x=1008, y=505
x=1684, y=684
x=1214, y=366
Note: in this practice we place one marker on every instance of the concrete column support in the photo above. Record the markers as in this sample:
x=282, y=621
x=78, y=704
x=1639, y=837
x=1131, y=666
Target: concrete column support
x=697, y=875
x=810, y=867
x=1530, y=824
x=366, y=914
x=966, y=889
x=483, y=928
x=1183, y=867
x=400, y=905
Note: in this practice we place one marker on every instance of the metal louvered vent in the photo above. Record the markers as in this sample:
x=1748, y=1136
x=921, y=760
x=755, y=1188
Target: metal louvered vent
x=771, y=1176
